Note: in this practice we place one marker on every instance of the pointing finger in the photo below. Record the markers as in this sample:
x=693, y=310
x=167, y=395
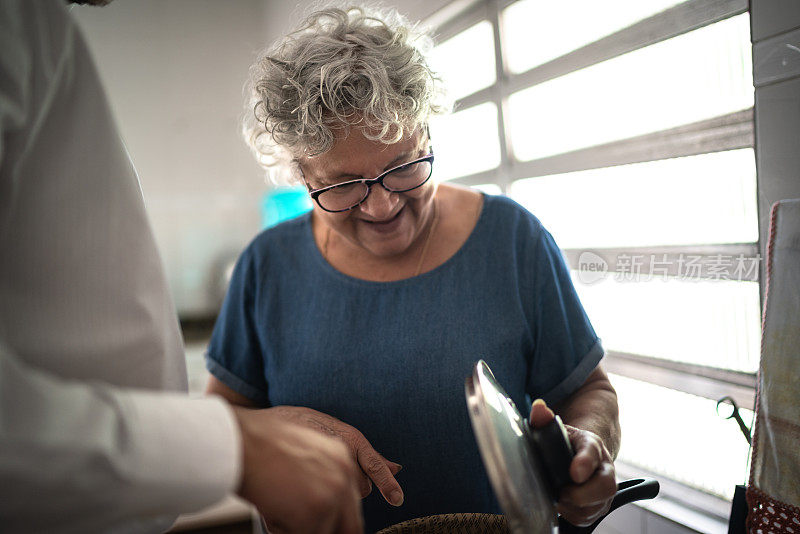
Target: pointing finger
x=375, y=467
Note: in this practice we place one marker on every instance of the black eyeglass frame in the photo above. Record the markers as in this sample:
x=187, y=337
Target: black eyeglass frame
x=369, y=182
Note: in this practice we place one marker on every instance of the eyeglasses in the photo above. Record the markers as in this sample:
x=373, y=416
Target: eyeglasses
x=347, y=195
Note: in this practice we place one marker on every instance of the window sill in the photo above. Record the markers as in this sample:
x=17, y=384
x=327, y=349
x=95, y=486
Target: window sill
x=681, y=504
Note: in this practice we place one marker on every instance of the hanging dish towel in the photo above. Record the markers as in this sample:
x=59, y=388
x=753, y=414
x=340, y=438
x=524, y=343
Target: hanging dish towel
x=773, y=493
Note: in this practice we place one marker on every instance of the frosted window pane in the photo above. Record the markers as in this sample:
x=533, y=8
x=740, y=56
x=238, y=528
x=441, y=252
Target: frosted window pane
x=465, y=142
x=708, y=322
x=466, y=62
x=681, y=436
x=710, y=198
x=536, y=32
x=699, y=75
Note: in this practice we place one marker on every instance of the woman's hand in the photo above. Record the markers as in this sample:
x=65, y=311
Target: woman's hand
x=300, y=481
x=374, y=467
x=591, y=470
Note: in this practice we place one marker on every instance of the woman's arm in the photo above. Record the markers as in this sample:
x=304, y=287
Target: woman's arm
x=216, y=387
x=593, y=407
x=374, y=467
x=592, y=420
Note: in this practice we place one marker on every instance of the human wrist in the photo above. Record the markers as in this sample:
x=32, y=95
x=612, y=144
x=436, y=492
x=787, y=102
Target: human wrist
x=240, y=415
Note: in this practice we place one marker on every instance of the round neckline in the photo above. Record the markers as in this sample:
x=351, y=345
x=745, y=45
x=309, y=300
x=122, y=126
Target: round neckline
x=336, y=273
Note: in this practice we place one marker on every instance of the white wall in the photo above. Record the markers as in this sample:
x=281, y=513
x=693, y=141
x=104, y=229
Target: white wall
x=174, y=71
x=283, y=15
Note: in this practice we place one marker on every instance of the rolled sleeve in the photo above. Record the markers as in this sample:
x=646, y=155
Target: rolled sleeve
x=236, y=383
x=234, y=355
x=566, y=348
x=577, y=377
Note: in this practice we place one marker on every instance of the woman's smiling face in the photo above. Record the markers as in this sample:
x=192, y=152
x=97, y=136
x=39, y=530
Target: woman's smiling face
x=386, y=224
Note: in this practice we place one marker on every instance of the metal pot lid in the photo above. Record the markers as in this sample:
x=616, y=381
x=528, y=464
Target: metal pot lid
x=514, y=466
x=528, y=467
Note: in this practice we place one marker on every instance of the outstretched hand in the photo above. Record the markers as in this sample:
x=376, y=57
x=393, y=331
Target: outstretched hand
x=300, y=481
x=592, y=472
x=374, y=467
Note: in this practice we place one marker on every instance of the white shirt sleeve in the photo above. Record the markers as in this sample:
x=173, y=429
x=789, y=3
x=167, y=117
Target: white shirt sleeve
x=81, y=457
x=96, y=431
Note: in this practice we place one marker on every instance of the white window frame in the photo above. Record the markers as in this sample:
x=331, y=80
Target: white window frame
x=728, y=132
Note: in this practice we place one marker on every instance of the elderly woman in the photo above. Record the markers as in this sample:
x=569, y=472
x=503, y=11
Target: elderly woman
x=362, y=318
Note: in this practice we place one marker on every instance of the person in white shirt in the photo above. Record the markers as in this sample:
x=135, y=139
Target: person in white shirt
x=96, y=431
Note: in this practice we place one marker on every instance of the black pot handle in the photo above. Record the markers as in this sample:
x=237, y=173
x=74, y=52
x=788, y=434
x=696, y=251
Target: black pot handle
x=627, y=491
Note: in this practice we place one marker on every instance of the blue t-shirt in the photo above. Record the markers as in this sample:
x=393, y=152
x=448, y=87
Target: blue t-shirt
x=390, y=358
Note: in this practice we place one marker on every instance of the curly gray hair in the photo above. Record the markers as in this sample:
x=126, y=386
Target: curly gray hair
x=348, y=67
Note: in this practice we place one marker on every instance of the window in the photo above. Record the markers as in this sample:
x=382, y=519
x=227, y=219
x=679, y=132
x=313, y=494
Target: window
x=473, y=132
x=646, y=110
x=695, y=76
x=465, y=77
x=538, y=32
x=715, y=193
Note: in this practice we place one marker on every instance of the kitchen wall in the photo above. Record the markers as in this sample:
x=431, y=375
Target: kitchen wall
x=174, y=72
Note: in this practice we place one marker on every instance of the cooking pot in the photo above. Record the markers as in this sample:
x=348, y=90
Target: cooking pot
x=528, y=466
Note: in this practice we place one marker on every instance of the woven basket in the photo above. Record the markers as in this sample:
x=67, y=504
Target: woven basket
x=452, y=524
